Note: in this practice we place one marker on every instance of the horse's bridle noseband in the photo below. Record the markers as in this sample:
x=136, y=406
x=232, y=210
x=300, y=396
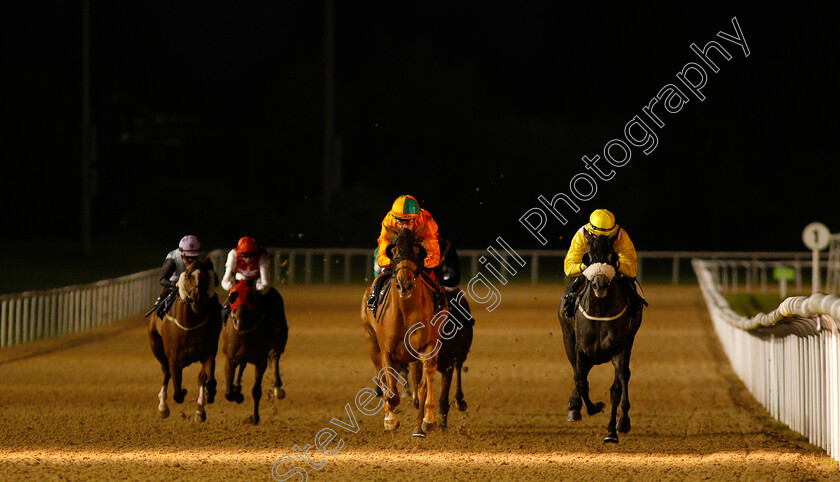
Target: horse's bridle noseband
x=400, y=268
x=249, y=330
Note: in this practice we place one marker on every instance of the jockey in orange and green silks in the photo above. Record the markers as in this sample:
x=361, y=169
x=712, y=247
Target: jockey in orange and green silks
x=602, y=222
x=406, y=213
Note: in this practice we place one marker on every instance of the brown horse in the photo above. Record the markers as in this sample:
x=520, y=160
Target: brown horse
x=189, y=333
x=402, y=331
x=253, y=334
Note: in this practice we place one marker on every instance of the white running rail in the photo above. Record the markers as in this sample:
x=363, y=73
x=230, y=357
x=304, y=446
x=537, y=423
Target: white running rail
x=33, y=315
x=789, y=359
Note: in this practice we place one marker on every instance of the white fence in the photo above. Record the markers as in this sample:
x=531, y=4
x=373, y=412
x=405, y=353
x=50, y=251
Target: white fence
x=788, y=359
x=328, y=265
x=42, y=314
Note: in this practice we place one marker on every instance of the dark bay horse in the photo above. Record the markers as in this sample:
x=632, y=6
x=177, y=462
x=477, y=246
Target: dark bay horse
x=601, y=331
x=402, y=331
x=253, y=333
x=189, y=333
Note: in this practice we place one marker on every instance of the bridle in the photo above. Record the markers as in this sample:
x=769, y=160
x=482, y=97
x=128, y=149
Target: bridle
x=402, y=256
x=249, y=330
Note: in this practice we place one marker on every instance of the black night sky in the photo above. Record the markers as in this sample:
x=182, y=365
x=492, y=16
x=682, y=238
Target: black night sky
x=210, y=120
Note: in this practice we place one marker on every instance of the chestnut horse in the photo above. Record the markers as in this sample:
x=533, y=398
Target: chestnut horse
x=189, y=333
x=253, y=334
x=402, y=331
x=601, y=330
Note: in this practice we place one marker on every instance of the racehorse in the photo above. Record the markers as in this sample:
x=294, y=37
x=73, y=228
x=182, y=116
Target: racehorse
x=253, y=334
x=402, y=331
x=189, y=333
x=601, y=330
x=451, y=358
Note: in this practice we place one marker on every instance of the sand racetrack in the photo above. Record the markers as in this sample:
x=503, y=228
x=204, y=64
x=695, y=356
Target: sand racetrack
x=85, y=406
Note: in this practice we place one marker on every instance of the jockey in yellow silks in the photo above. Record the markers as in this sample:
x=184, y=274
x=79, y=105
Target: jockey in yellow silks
x=602, y=222
x=406, y=213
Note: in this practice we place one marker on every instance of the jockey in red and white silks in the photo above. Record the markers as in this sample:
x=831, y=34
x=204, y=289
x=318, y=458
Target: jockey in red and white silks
x=248, y=261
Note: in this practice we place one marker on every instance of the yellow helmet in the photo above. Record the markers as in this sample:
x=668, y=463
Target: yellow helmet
x=405, y=208
x=601, y=221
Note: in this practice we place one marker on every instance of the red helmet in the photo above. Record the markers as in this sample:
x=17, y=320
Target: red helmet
x=247, y=245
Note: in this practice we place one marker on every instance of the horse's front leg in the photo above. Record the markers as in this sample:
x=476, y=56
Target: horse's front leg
x=582, y=367
x=256, y=392
x=390, y=391
x=569, y=341
x=176, y=370
x=279, y=393
x=163, y=408
x=459, y=394
x=445, y=384
x=230, y=394
x=623, y=374
x=615, y=397
x=200, y=414
x=210, y=369
x=237, y=388
x=426, y=414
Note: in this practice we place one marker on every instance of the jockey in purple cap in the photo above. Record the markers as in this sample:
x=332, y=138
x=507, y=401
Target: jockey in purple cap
x=176, y=262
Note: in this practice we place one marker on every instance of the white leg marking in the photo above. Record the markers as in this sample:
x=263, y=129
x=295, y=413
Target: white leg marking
x=162, y=407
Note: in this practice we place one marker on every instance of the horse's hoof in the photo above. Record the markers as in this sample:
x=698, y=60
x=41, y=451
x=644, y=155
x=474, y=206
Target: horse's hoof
x=391, y=425
x=418, y=432
x=574, y=416
x=596, y=408
x=624, y=424
x=611, y=438
x=462, y=406
x=405, y=393
x=230, y=396
x=200, y=417
x=238, y=398
x=428, y=427
x=179, y=397
x=416, y=403
x=279, y=393
x=255, y=419
x=164, y=413
x=443, y=426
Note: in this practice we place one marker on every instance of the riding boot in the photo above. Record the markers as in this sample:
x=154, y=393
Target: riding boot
x=570, y=300
x=373, y=300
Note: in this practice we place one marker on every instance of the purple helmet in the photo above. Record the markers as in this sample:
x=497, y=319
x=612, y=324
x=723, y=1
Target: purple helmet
x=190, y=245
